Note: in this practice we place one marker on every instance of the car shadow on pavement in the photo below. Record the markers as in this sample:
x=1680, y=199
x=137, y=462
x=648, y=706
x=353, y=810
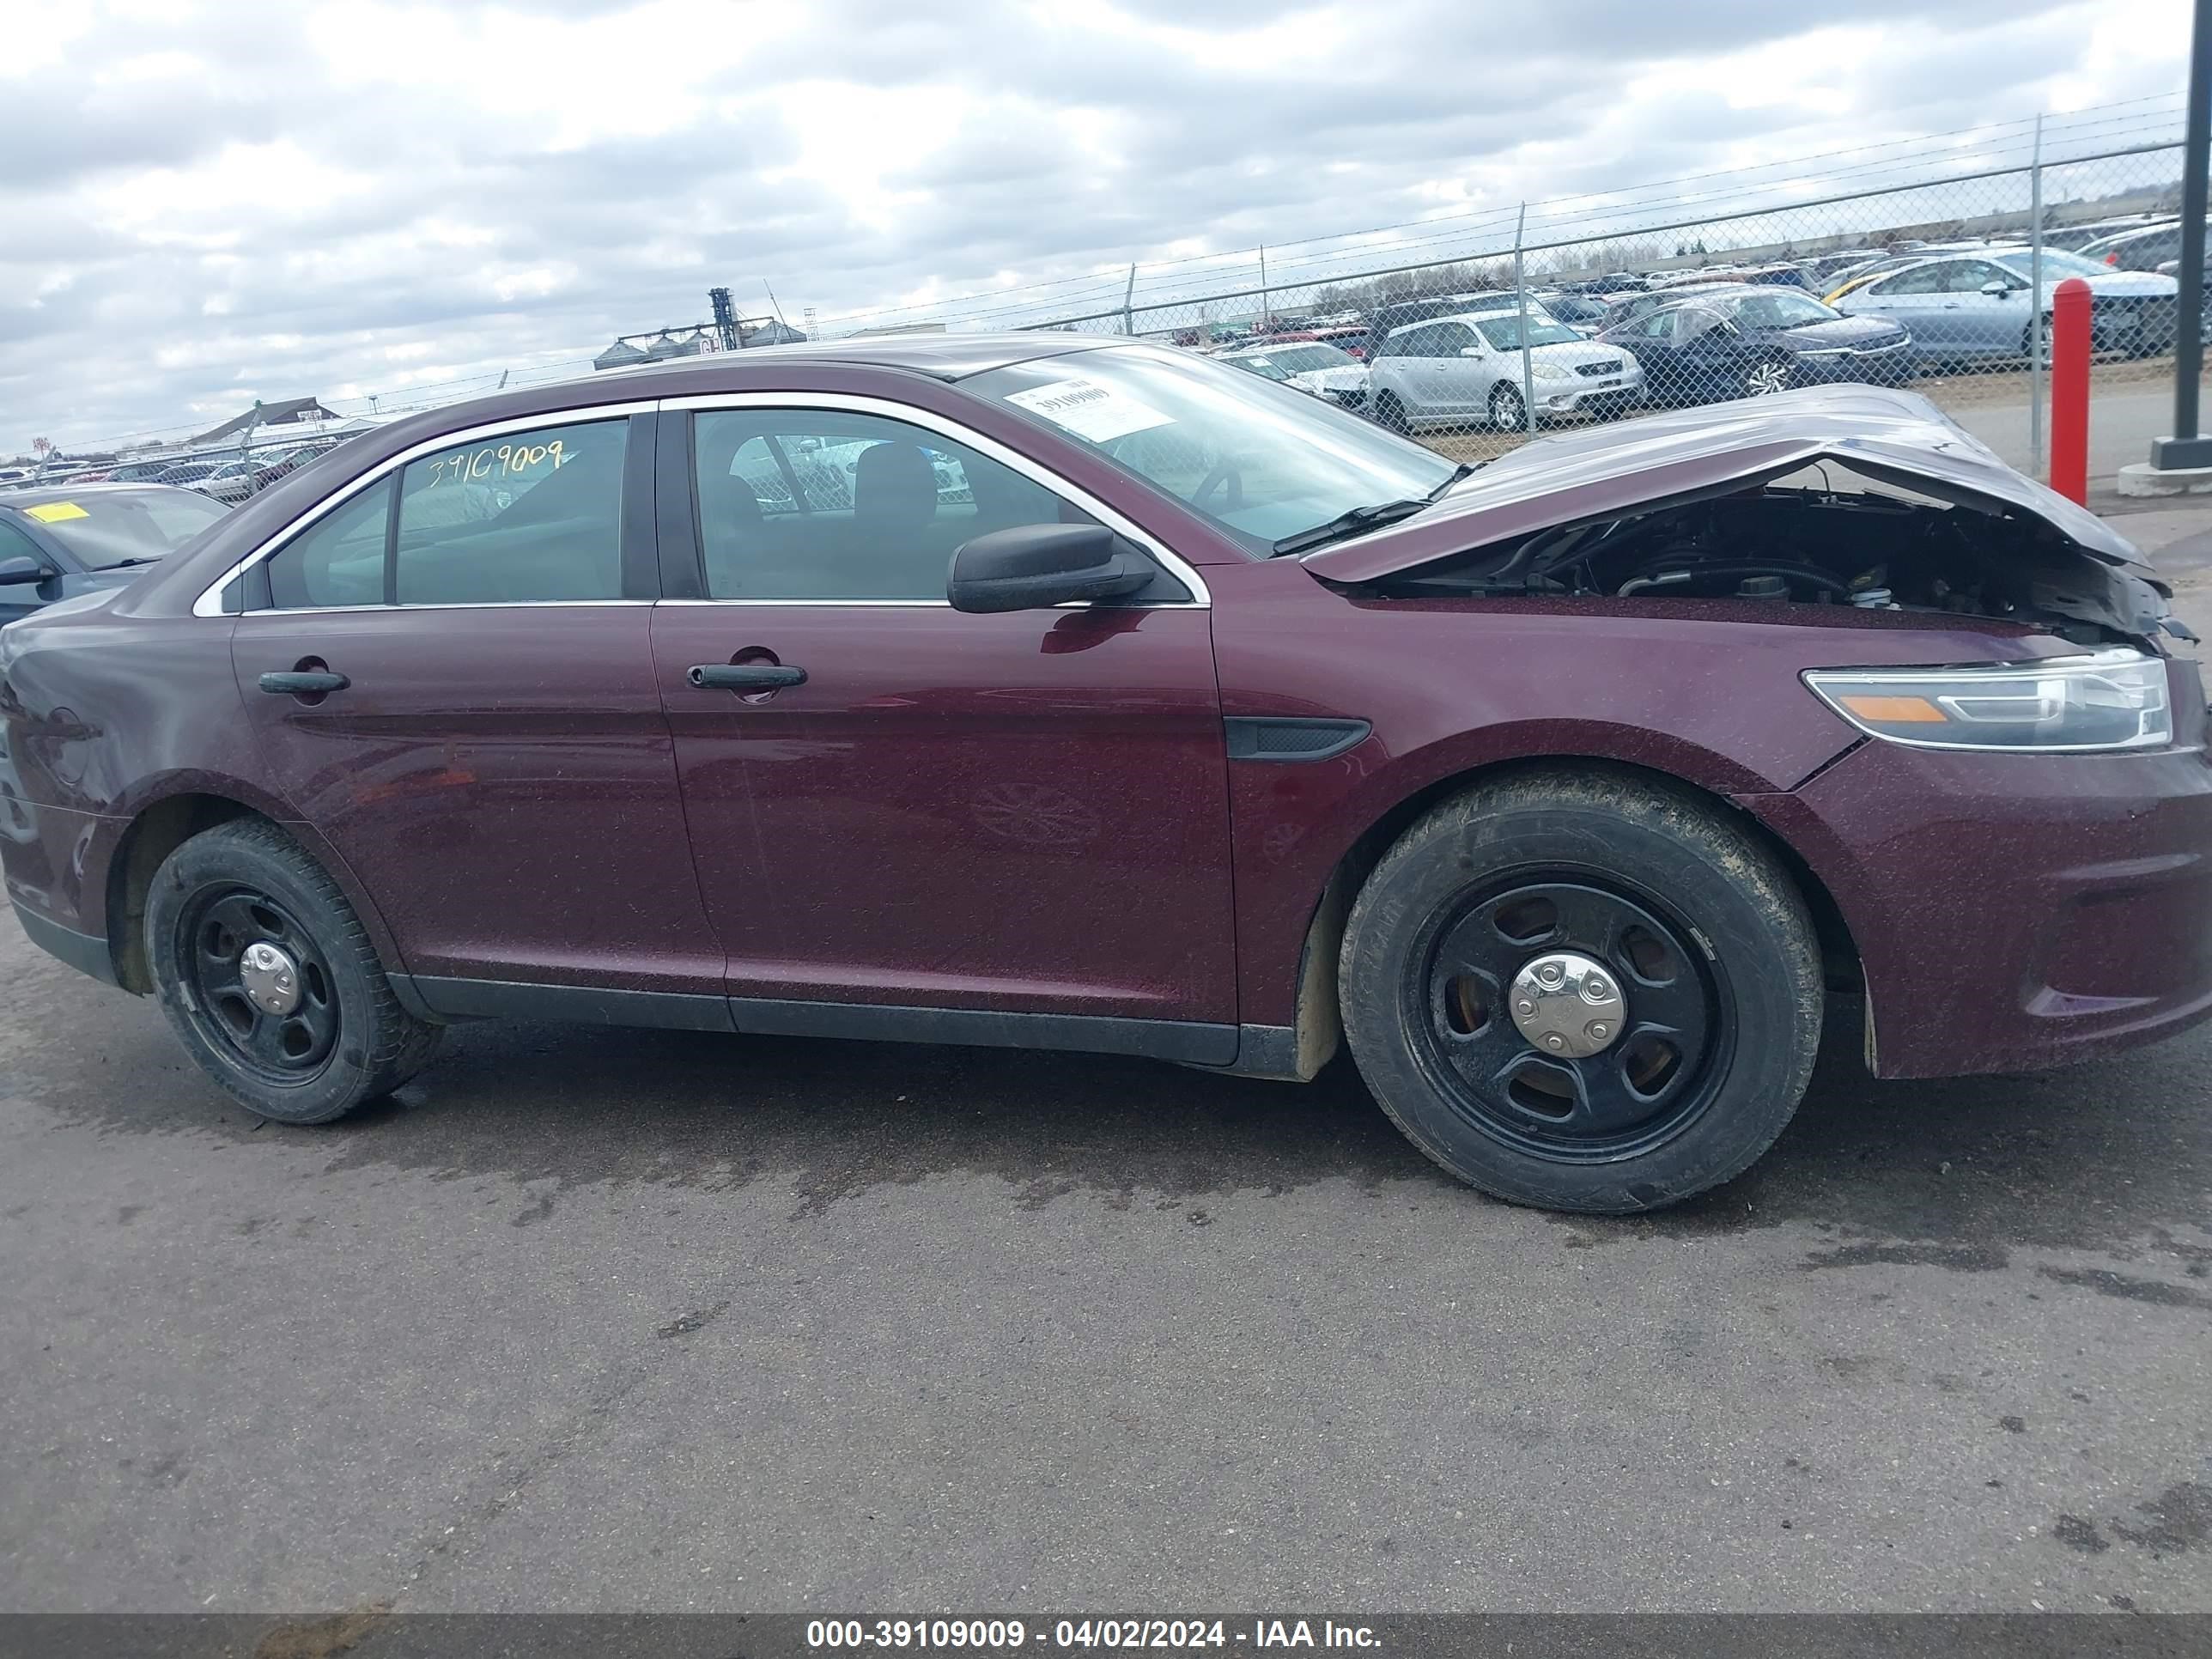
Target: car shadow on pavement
x=2101, y=1156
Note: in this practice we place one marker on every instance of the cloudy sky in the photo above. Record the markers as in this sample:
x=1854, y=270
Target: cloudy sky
x=204, y=204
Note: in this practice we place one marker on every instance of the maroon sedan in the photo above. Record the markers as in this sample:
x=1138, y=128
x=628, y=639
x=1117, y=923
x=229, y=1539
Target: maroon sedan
x=1067, y=693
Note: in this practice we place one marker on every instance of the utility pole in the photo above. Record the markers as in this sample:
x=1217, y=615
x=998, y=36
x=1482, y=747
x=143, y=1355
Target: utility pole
x=2186, y=448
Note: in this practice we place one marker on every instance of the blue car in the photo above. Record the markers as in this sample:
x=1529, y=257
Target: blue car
x=56, y=540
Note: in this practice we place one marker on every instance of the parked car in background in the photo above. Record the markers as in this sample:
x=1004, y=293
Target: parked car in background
x=1398, y=314
x=57, y=540
x=1752, y=342
x=1622, y=313
x=185, y=472
x=2073, y=238
x=1215, y=726
x=1585, y=313
x=1961, y=309
x=1309, y=366
x=1466, y=370
x=233, y=481
x=2149, y=247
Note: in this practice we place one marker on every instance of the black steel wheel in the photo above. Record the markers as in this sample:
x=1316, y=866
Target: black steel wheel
x=1654, y=1061
x=261, y=987
x=1589, y=990
x=270, y=981
x=1391, y=412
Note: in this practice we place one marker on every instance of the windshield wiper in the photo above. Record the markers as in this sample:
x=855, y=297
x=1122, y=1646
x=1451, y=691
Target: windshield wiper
x=1366, y=517
x=1464, y=470
x=1351, y=524
x=134, y=559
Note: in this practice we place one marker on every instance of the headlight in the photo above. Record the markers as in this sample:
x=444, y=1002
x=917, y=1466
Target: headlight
x=2113, y=700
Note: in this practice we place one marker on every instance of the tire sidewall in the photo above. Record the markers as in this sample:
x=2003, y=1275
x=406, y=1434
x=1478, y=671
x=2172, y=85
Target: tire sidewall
x=1751, y=926
x=214, y=860
x=1507, y=412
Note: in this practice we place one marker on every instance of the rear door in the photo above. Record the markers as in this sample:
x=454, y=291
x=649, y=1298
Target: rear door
x=1023, y=813
x=482, y=740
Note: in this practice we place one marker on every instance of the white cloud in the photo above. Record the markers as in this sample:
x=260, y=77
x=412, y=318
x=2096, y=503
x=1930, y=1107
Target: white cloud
x=208, y=203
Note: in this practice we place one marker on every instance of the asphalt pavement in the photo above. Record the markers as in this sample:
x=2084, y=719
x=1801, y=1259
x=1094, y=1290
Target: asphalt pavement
x=594, y=1319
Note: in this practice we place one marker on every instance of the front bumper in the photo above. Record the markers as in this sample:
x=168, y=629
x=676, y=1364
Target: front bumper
x=1890, y=365
x=2013, y=912
x=1581, y=397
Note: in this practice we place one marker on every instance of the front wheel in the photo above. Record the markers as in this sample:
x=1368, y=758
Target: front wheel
x=1766, y=377
x=1391, y=413
x=1583, y=991
x=1507, y=412
x=270, y=980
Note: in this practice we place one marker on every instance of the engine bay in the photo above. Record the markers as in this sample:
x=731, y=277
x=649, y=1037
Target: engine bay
x=1786, y=545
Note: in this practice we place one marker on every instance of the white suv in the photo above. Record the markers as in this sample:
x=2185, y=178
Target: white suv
x=1466, y=370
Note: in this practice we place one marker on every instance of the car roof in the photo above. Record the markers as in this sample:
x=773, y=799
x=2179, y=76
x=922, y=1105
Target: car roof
x=941, y=356
x=39, y=494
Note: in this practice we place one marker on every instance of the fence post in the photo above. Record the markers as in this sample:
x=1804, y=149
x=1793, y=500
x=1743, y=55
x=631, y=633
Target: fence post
x=1266, y=306
x=2035, y=364
x=2187, y=447
x=2069, y=389
x=1128, y=326
x=1520, y=305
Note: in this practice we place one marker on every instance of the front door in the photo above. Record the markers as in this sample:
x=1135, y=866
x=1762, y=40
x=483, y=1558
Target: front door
x=1018, y=814
x=464, y=705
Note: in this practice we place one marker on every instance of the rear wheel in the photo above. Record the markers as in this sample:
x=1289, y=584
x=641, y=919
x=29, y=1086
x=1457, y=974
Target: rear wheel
x=269, y=978
x=1583, y=991
x=1507, y=412
x=1392, y=413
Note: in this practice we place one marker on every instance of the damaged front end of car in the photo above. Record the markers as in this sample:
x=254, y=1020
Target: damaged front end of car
x=1851, y=497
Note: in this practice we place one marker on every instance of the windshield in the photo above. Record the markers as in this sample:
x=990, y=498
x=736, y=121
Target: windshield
x=1301, y=359
x=1504, y=333
x=103, y=530
x=2057, y=263
x=1260, y=463
x=1781, y=310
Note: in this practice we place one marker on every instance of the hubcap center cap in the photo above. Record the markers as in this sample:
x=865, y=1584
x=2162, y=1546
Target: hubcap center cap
x=270, y=977
x=1567, y=1005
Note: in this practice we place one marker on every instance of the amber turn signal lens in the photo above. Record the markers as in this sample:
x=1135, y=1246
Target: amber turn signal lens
x=1893, y=711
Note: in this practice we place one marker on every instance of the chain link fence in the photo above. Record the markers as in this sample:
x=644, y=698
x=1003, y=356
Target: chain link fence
x=1944, y=287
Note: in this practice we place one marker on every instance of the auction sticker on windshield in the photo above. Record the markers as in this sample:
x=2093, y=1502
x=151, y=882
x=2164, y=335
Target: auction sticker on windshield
x=1089, y=409
x=56, y=511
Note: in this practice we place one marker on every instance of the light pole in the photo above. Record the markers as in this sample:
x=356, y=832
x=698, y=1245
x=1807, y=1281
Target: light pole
x=2186, y=448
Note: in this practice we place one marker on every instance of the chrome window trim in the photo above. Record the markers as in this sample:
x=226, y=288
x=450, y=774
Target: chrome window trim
x=945, y=426
x=210, y=603
x=453, y=604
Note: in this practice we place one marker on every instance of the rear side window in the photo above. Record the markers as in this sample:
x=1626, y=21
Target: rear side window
x=525, y=517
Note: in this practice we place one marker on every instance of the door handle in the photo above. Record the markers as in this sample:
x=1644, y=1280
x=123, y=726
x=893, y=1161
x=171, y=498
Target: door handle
x=745, y=675
x=303, y=684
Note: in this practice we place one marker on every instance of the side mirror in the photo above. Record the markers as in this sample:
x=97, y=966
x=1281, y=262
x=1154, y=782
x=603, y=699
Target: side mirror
x=1998, y=288
x=1470, y=352
x=1034, y=567
x=14, y=572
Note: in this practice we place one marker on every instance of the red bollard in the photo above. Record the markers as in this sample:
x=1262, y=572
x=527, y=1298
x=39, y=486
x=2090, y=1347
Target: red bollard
x=2069, y=389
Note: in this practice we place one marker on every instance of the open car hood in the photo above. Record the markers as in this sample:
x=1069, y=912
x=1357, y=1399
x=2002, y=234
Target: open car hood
x=1898, y=438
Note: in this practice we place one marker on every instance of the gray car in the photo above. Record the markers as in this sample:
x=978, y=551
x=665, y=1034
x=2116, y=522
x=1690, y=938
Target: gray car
x=1964, y=307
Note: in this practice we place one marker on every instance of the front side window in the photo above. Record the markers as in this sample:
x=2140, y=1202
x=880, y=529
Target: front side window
x=830, y=504
x=1259, y=464
x=522, y=517
x=338, y=559
x=1922, y=279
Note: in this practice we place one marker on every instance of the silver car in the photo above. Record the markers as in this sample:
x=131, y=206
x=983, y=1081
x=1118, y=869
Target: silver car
x=1964, y=307
x=1466, y=369
x=1310, y=366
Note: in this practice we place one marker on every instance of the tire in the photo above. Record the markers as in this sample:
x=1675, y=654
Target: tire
x=1714, y=957
x=1391, y=414
x=2042, y=325
x=244, y=885
x=1770, y=375
x=1507, y=412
